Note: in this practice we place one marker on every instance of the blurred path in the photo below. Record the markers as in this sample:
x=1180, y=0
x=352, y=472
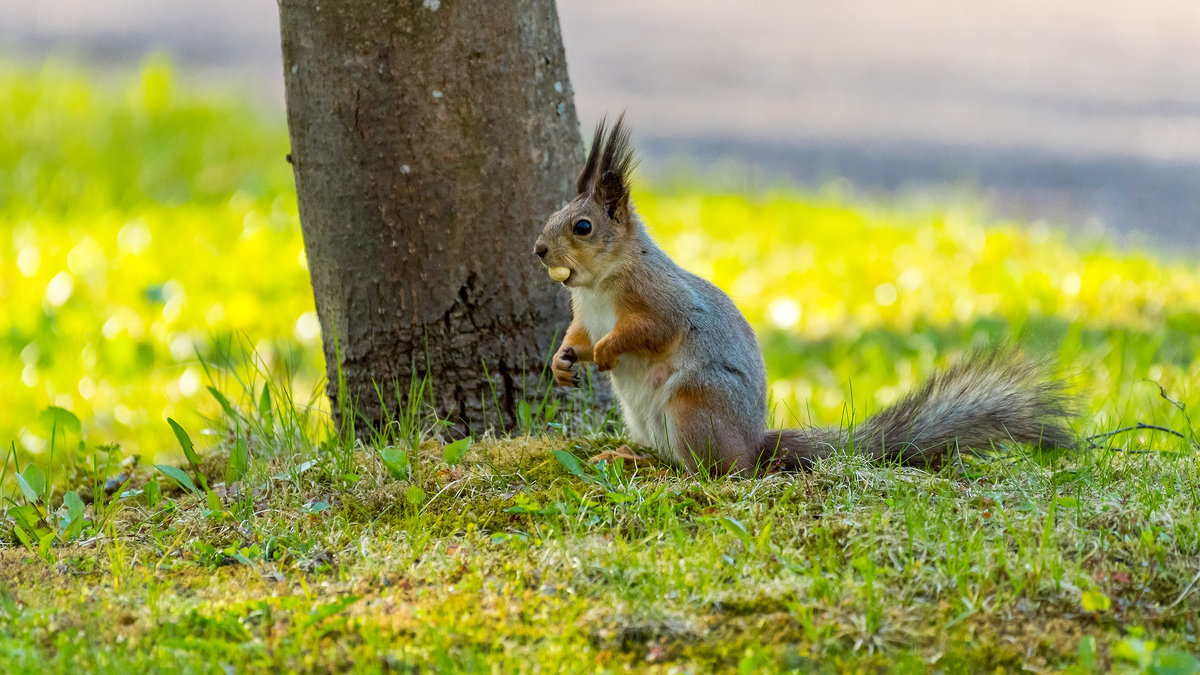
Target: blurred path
x=1073, y=111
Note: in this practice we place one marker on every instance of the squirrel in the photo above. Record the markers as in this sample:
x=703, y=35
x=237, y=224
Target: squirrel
x=688, y=373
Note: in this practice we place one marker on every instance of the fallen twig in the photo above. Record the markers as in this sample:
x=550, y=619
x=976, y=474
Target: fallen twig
x=1137, y=427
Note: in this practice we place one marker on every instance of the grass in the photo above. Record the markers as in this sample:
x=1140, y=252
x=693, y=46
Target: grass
x=276, y=544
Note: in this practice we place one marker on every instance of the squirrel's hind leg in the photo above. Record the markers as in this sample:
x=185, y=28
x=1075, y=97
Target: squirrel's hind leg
x=702, y=438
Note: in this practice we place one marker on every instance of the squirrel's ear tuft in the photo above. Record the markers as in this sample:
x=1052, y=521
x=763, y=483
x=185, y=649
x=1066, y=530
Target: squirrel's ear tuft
x=587, y=176
x=611, y=189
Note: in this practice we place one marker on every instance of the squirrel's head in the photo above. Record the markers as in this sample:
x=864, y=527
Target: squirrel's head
x=591, y=236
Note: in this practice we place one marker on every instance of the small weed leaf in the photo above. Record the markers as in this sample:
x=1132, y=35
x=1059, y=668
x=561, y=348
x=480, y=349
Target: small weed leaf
x=185, y=442
x=32, y=483
x=316, y=507
x=26, y=516
x=1095, y=601
x=61, y=419
x=1135, y=650
x=1087, y=653
x=178, y=476
x=1148, y=657
x=215, y=507
x=153, y=492
x=230, y=411
x=72, y=525
x=524, y=415
x=239, y=555
x=264, y=408
x=1168, y=661
x=45, y=541
x=239, y=460
x=24, y=537
x=74, y=504
x=736, y=528
x=570, y=462
x=415, y=495
x=764, y=535
x=454, y=452
x=396, y=461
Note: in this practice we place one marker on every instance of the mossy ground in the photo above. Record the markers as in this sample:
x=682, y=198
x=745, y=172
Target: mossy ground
x=514, y=557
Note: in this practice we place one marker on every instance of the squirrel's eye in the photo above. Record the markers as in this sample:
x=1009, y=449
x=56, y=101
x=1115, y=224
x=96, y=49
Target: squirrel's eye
x=583, y=228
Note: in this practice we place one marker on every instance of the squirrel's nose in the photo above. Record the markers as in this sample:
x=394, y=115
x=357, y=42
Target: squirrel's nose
x=541, y=249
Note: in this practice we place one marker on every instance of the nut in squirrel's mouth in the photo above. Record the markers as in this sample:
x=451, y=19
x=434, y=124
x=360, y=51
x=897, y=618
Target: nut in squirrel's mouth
x=559, y=274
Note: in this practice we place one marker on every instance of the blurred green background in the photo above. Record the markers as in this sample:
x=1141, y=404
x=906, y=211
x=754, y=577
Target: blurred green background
x=147, y=230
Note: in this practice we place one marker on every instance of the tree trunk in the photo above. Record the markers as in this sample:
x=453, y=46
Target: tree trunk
x=430, y=140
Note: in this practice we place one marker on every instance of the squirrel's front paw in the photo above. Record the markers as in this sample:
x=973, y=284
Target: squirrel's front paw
x=603, y=356
x=563, y=367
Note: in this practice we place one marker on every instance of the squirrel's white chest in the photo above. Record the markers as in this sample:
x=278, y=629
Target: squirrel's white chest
x=638, y=384
x=595, y=311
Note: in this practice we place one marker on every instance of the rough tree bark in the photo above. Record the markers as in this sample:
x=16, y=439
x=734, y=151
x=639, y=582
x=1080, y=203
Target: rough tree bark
x=430, y=140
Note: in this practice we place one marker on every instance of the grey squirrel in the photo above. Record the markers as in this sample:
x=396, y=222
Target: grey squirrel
x=688, y=373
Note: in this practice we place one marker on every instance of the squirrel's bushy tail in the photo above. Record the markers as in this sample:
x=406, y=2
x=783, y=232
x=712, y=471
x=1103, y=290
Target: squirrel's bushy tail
x=986, y=399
